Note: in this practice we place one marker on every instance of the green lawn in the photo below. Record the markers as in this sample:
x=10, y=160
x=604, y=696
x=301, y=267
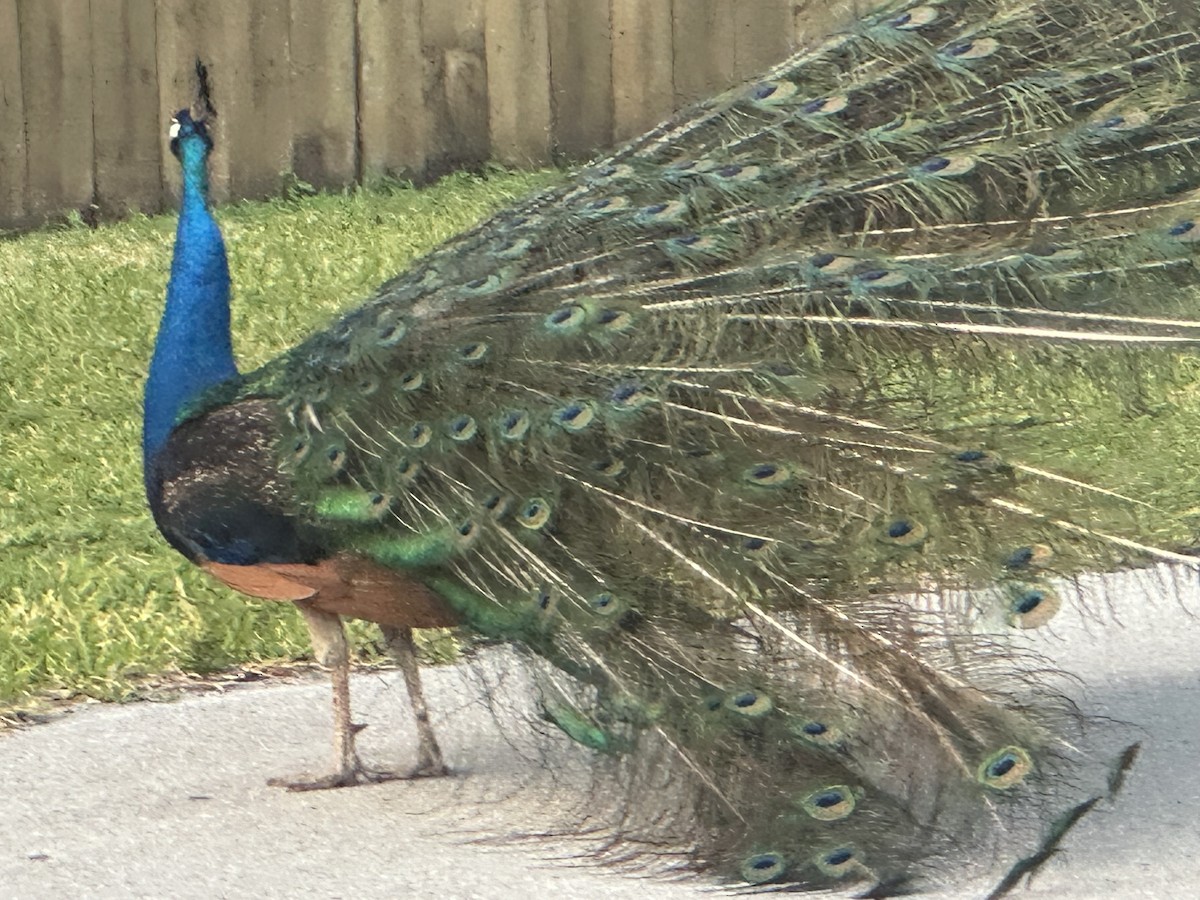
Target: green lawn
x=90, y=596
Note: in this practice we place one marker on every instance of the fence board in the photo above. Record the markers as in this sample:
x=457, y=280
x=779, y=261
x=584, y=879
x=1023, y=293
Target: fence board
x=456, y=91
x=245, y=49
x=175, y=57
x=13, y=173
x=704, y=48
x=339, y=93
x=56, y=88
x=643, y=73
x=394, y=123
x=125, y=89
x=763, y=35
x=518, y=55
x=581, y=76
x=816, y=19
x=256, y=41
x=322, y=92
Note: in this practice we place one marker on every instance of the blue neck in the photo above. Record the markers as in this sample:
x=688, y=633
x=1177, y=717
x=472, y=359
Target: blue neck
x=193, y=351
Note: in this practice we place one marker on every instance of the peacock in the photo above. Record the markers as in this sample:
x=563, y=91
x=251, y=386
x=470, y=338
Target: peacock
x=768, y=439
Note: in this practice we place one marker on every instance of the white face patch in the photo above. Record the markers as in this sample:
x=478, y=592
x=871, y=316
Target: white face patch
x=173, y=131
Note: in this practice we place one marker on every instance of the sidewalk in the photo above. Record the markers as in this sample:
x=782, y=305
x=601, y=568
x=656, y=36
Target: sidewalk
x=170, y=799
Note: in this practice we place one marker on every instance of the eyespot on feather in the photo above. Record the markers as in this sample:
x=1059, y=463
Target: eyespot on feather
x=754, y=546
x=466, y=534
x=1185, y=232
x=768, y=474
x=944, y=166
x=498, y=505
x=970, y=50
x=912, y=19
x=614, y=319
x=749, y=703
x=418, y=436
x=489, y=284
x=1005, y=769
x=461, y=429
x=904, y=533
x=1031, y=605
x=575, y=416
x=825, y=106
x=534, y=514
x=1029, y=557
x=390, y=329
x=816, y=732
x=763, y=868
x=829, y=804
x=606, y=605
x=514, y=425
x=879, y=279
x=408, y=470
x=411, y=381
x=566, y=318
x=839, y=863
x=630, y=396
x=662, y=212
x=610, y=467
x=474, y=352
x=771, y=93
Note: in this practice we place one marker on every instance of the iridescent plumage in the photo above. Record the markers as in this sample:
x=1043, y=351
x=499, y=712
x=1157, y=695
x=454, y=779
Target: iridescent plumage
x=756, y=434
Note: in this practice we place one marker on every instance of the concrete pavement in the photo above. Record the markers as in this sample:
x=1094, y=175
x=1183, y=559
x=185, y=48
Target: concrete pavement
x=170, y=799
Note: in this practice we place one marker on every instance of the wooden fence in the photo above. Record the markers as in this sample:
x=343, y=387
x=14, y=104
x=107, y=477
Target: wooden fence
x=338, y=91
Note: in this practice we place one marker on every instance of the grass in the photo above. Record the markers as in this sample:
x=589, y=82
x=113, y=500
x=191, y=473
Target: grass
x=90, y=596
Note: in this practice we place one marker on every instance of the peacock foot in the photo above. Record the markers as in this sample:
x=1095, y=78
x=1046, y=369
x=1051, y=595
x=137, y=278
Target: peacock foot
x=430, y=769
x=356, y=775
x=359, y=774
x=350, y=771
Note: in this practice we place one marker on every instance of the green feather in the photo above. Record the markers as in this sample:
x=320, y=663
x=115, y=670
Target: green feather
x=772, y=433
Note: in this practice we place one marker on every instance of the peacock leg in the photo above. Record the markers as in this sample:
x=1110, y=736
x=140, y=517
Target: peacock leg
x=429, y=754
x=331, y=650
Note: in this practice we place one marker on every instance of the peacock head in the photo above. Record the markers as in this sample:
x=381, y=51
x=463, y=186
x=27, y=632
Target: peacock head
x=187, y=130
